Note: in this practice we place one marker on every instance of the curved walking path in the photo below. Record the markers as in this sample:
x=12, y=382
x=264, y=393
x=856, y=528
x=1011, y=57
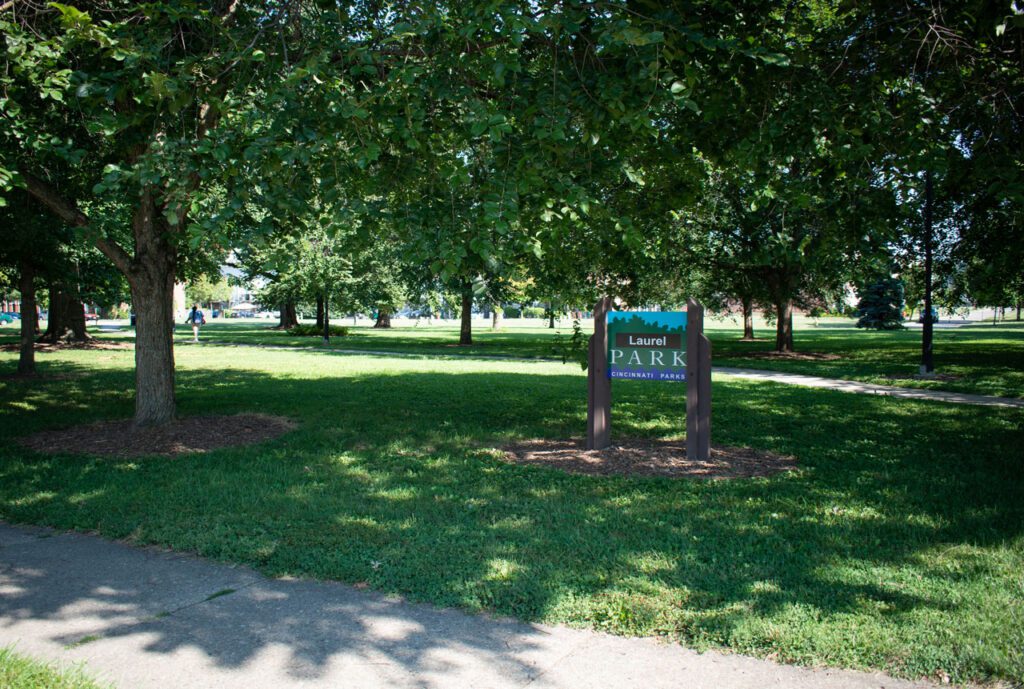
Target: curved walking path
x=154, y=619
x=869, y=388
x=749, y=373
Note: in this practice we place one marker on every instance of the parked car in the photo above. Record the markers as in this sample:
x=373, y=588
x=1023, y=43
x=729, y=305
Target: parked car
x=91, y=317
x=13, y=314
x=6, y=318
x=934, y=316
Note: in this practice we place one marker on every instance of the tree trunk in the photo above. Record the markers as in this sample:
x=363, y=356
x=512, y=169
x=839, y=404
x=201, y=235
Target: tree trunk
x=289, y=318
x=66, y=320
x=551, y=315
x=748, y=318
x=383, y=319
x=496, y=318
x=466, y=329
x=27, y=356
x=150, y=274
x=319, y=312
x=1018, y=310
x=327, y=319
x=927, y=362
x=151, y=277
x=784, y=326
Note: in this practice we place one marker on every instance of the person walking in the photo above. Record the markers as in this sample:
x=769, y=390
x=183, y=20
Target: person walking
x=196, y=318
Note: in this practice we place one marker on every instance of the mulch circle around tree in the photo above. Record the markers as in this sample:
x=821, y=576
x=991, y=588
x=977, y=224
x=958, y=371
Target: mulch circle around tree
x=190, y=434
x=637, y=457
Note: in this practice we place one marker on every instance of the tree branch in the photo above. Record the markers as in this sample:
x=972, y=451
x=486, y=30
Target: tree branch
x=67, y=211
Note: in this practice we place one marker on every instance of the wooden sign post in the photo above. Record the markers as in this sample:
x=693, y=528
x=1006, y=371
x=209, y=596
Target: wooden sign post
x=650, y=346
x=599, y=385
x=698, y=384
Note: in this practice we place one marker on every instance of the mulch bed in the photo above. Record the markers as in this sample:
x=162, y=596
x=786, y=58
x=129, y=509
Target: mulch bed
x=647, y=458
x=793, y=356
x=94, y=344
x=190, y=434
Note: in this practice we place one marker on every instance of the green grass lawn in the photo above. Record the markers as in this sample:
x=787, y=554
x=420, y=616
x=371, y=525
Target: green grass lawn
x=981, y=358
x=898, y=545
x=20, y=672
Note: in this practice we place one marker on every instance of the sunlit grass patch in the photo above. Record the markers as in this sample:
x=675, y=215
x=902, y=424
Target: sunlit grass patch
x=902, y=520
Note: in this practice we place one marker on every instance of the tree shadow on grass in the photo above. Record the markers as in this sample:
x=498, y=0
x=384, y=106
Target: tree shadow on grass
x=390, y=481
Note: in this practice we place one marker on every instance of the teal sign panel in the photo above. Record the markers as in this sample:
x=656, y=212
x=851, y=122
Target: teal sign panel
x=647, y=345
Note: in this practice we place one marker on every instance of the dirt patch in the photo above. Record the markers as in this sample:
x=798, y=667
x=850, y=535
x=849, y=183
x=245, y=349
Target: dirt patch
x=647, y=458
x=191, y=434
x=60, y=346
x=944, y=377
x=793, y=356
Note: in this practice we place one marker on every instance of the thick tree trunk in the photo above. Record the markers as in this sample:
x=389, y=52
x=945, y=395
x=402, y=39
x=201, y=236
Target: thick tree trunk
x=466, y=329
x=151, y=277
x=496, y=318
x=383, y=319
x=784, y=326
x=748, y=318
x=27, y=356
x=150, y=274
x=319, y=312
x=289, y=318
x=152, y=295
x=66, y=320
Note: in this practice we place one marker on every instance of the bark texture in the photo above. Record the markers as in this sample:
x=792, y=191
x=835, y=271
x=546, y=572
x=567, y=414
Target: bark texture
x=289, y=317
x=466, y=327
x=748, y=318
x=496, y=318
x=66, y=319
x=27, y=351
x=784, y=326
x=151, y=278
x=383, y=319
x=319, y=312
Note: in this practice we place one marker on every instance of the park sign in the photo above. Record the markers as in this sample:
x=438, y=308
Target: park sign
x=647, y=345
x=650, y=345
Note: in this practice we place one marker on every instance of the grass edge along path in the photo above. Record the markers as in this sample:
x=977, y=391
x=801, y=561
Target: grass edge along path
x=896, y=545
x=18, y=671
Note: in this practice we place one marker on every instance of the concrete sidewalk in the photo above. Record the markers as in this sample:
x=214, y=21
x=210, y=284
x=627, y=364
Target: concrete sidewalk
x=145, y=617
